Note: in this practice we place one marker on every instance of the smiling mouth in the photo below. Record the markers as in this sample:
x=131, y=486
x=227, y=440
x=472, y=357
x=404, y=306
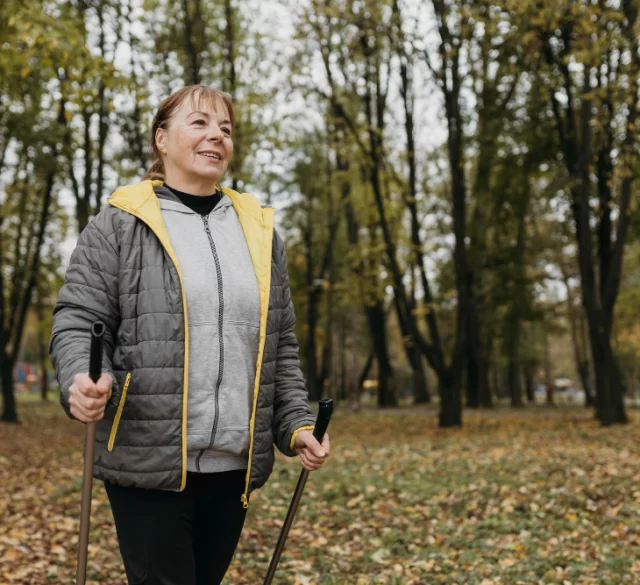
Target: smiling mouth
x=212, y=155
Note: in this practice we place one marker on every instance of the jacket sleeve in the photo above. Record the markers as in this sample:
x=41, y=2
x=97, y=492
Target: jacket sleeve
x=89, y=293
x=292, y=411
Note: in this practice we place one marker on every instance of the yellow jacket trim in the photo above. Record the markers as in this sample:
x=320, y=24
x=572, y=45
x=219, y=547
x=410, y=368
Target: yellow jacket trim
x=257, y=223
x=263, y=273
x=292, y=442
x=116, y=420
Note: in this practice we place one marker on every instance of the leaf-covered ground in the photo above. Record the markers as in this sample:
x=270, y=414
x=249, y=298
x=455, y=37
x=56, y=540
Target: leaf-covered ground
x=534, y=497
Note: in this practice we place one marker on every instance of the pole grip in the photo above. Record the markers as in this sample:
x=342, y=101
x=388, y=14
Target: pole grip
x=325, y=410
x=95, y=351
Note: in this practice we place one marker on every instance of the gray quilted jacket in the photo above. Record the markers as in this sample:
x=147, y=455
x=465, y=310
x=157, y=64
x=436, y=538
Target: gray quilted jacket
x=124, y=272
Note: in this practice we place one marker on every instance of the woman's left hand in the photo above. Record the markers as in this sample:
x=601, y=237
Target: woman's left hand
x=312, y=454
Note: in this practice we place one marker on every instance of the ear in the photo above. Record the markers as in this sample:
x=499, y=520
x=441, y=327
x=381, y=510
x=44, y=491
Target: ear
x=160, y=138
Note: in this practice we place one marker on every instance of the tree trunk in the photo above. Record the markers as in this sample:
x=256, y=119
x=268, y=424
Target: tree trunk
x=450, y=403
x=342, y=389
x=478, y=388
x=386, y=386
x=193, y=34
x=312, y=367
x=414, y=357
x=514, y=324
x=515, y=384
x=421, y=393
x=528, y=385
x=548, y=377
x=365, y=371
x=472, y=386
x=580, y=347
x=311, y=349
x=42, y=345
x=610, y=394
x=354, y=382
x=9, y=413
x=82, y=214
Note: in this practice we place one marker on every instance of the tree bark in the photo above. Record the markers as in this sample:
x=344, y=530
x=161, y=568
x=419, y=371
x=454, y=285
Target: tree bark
x=365, y=371
x=514, y=327
x=451, y=408
x=375, y=319
x=9, y=413
x=548, y=376
x=354, y=381
x=414, y=357
x=528, y=385
x=421, y=394
x=386, y=386
x=42, y=346
x=580, y=348
x=193, y=29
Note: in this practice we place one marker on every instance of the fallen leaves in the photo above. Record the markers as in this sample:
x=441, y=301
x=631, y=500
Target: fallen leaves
x=534, y=498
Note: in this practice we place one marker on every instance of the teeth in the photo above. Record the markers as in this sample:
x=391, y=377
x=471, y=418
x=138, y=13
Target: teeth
x=210, y=155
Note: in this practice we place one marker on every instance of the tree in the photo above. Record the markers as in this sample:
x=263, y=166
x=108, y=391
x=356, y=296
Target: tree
x=593, y=90
x=34, y=123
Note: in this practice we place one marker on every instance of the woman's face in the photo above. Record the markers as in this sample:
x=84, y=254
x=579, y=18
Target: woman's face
x=196, y=146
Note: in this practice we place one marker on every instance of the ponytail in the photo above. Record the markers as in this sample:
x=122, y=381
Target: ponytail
x=156, y=172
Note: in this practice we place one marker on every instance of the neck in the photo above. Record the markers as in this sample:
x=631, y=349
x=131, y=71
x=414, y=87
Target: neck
x=191, y=185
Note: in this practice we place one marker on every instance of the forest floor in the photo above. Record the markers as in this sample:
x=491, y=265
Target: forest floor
x=538, y=496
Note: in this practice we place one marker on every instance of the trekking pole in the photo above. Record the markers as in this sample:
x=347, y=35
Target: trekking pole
x=322, y=422
x=95, y=371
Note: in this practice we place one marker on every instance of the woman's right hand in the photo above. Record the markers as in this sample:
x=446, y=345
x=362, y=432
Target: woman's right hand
x=87, y=399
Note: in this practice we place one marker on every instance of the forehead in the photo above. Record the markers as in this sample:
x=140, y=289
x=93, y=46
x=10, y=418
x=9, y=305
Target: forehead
x=208, y=104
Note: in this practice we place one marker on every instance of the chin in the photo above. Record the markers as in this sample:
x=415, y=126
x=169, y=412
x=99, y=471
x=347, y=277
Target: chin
x=214, y=177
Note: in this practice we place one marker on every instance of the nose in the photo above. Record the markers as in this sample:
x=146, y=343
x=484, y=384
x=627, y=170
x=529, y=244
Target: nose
x=214, y=134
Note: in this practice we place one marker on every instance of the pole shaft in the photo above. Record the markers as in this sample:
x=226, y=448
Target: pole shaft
x=291, y=513
x=85, y=505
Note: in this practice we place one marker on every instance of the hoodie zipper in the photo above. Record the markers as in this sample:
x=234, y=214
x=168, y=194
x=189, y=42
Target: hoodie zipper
x=205, y=219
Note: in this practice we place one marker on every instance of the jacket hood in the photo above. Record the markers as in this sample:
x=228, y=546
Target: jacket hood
x=142, y=197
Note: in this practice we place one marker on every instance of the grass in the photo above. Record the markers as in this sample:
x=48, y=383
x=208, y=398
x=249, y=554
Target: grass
x=537, y=497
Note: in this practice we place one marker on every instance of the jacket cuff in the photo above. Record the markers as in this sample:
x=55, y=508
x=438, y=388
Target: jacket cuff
x=295, y=434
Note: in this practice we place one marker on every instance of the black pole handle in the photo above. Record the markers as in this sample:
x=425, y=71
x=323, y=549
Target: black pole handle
x=325, y=410
x=95, y=352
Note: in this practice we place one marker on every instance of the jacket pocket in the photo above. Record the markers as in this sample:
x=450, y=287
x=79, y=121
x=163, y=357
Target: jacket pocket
x=116, y=419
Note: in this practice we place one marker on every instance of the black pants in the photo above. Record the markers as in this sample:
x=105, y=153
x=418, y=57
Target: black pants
x=179, y=538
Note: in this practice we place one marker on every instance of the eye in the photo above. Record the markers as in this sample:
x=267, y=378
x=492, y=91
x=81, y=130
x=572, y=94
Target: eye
x=200, y=122
x=226, y=130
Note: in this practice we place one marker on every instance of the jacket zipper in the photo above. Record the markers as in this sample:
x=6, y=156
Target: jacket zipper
x=205, y=219
x=116, y=419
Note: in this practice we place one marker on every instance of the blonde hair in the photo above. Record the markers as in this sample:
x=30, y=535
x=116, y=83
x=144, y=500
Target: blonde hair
x=169, y=105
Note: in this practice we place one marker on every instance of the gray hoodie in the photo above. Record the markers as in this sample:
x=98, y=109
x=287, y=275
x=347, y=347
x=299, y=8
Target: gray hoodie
x=223, y=304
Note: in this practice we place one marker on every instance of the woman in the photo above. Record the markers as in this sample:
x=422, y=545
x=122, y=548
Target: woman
x=201, y=371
